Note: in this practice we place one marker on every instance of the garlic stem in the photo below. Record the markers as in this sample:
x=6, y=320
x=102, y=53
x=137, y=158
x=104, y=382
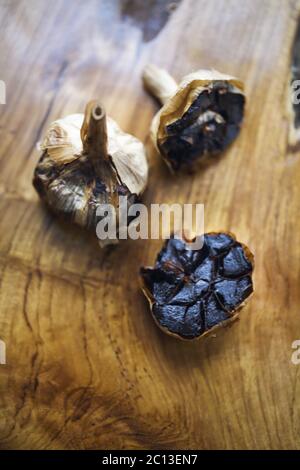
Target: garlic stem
x=94, y=140
x=94, y=133
x=159, y=83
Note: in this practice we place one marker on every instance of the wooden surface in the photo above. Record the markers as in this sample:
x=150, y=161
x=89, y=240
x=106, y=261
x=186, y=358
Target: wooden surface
x=86, y=365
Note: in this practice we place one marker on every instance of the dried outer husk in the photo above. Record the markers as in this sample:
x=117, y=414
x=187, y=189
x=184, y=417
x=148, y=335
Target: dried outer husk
x=63, y=144
x=87, y=160
x=234, y=314
x=176, y=100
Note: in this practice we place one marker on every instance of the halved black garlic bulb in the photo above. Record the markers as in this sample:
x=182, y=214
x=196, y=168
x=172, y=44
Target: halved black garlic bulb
x=87, y=161
x=193, y=292
x=201, y=116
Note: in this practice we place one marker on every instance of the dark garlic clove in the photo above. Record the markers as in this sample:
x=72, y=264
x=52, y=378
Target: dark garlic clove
x=193, y=292
x=201, y=116
x=88, y=161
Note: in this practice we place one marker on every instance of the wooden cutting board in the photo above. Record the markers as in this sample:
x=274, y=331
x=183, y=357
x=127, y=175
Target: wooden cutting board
x=86, y=365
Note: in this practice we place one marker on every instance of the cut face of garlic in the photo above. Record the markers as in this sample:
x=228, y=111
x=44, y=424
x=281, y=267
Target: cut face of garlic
x=87, y=161
x=192, y=293
x=199, y=117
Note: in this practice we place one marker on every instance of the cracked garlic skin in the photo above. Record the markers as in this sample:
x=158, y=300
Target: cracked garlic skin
x=200, y=117
x=194, y=292
x=87, y=161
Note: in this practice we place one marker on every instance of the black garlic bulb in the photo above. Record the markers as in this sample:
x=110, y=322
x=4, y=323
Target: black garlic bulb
x=199, y=117
x=88, y=161
x=194, y=292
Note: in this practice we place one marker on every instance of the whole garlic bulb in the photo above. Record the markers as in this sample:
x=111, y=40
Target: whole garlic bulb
x=87, y=161
x=200, y=116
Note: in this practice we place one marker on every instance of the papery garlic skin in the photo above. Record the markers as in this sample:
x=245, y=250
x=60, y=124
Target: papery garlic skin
x=177, y=103
x=63, y=144
x=71, y=178
x=129, y=157
x=62, y=140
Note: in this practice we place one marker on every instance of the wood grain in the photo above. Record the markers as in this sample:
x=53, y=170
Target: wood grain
x=86, y=366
